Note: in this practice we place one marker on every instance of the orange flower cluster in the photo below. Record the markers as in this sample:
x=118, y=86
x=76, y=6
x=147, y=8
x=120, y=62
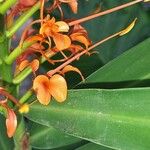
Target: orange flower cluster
x=59, y=37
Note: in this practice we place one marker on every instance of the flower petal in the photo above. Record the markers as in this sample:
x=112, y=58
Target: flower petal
x=74, y=6
x=69, y=68
x=41, y=85
x=79, y=37
x=58, y=88
x=34, y=65
x=62, y=41
x=23, y=65
x=11, y=122
x=63, y=26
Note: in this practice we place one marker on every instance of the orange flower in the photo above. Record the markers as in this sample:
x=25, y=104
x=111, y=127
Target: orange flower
x=44, y=87
x=51, y=28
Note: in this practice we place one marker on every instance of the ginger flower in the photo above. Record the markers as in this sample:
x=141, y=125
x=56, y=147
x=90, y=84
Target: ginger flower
x=45, y=88
x=53, y=29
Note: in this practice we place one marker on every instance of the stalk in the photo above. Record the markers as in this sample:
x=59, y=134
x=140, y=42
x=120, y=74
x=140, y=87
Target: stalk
x=22, y=19
x=6, y=72
x=104, y=12
x=17, y=52
x=6, y=5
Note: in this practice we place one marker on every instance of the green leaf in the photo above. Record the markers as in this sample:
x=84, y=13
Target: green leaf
x=92, y=146
x=131, y=68
x=21, y=137
x=43, y=137
x=115, y=118
x=5, y=142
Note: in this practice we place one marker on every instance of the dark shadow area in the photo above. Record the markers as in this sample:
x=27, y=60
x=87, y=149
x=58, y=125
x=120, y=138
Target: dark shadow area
x=115, y=85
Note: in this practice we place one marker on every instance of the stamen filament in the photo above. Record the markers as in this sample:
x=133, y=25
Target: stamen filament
x=52, y=72
x=103, y=13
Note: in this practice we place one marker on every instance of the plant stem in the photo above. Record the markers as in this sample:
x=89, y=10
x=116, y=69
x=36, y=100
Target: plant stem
x=6, y=72
x=6, y=5
x=16, y=52
x=26, y=96
x=104, y=12
x=22, y=19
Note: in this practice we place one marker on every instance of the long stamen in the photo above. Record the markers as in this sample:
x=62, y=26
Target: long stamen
x=103, y=13
x=42, y=11
x=51, y=72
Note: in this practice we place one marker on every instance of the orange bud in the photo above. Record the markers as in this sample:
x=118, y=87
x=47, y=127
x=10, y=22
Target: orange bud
x=11, y=122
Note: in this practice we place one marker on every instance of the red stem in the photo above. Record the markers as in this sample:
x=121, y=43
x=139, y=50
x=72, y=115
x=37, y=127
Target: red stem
x=103, y=13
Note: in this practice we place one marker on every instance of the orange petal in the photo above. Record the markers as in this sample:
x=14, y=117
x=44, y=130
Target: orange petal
x=35, y=38
x=80, y=38
x=63, y=26
x=34, y=65
x=41, y=85
x=11, y=122
x=71, y=68
x=58, y=88
x=62, y=41
x=23, y=65
x=74, y=6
